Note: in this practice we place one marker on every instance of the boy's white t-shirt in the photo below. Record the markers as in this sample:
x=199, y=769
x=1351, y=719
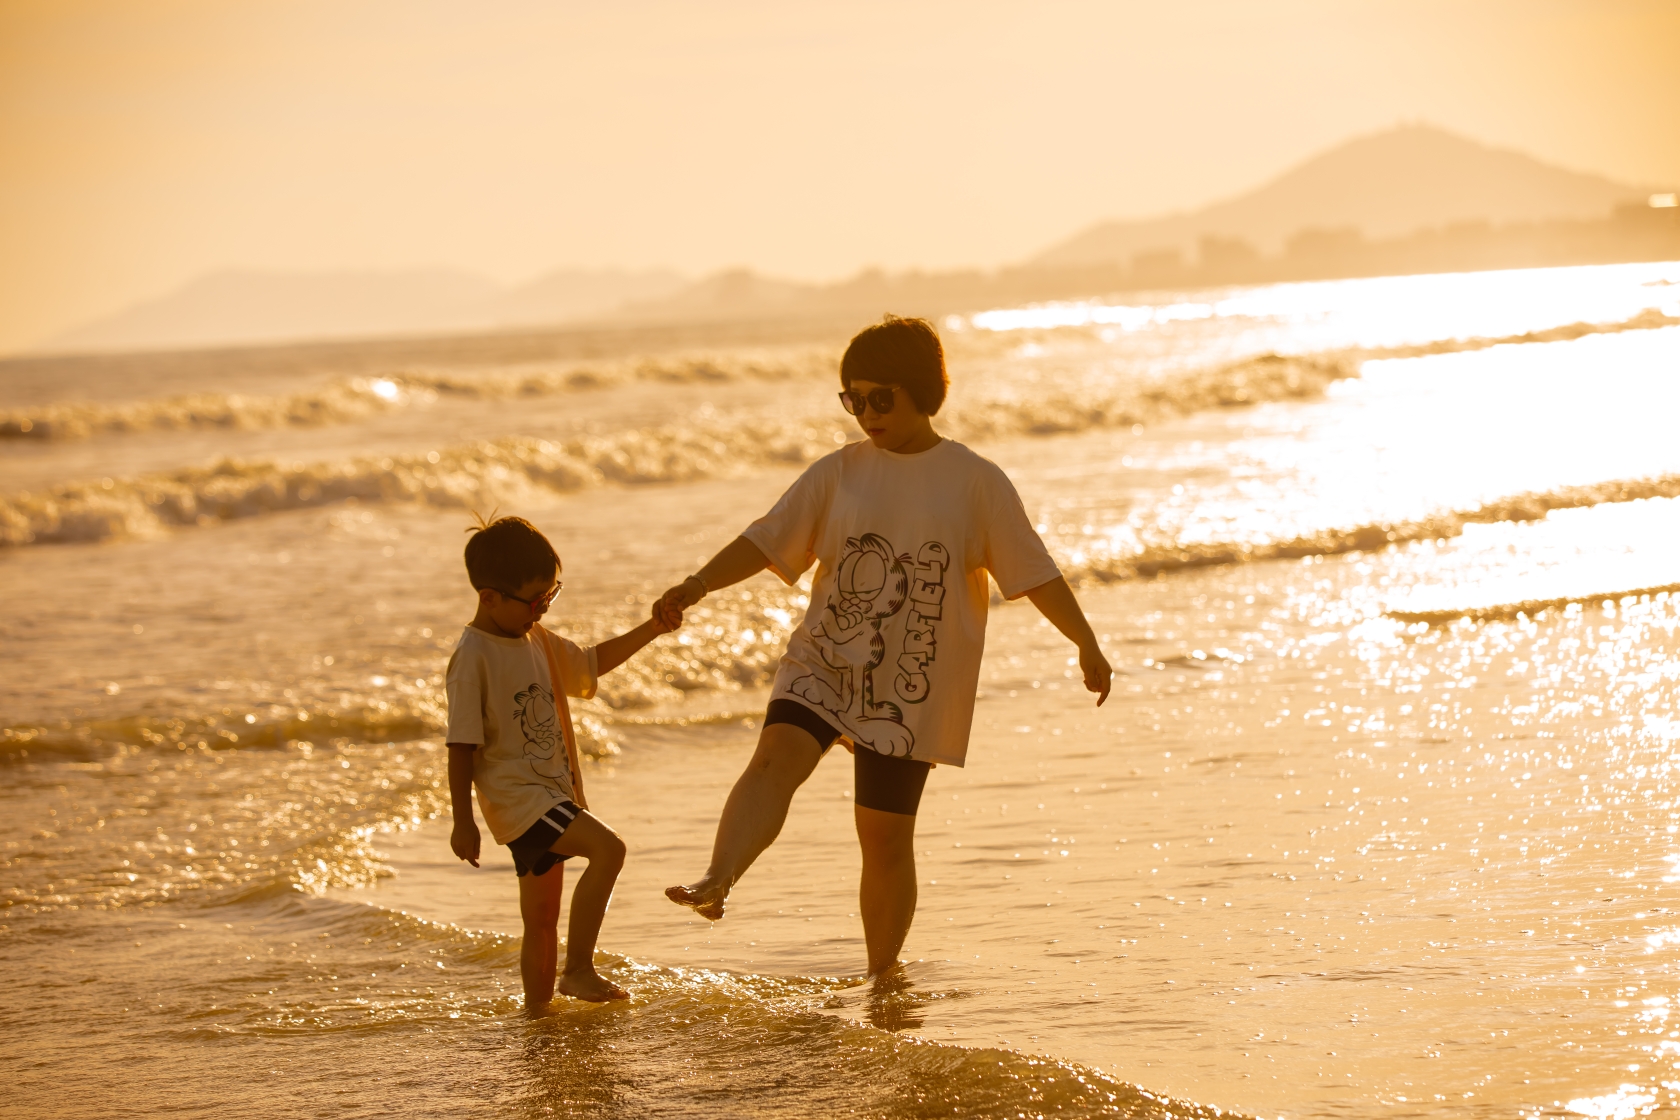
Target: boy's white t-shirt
x=889, y=649
x=500, y=698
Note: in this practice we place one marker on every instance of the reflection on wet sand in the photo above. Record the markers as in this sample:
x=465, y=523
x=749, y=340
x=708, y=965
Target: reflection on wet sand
x=684, y=1047
x=894, y=1003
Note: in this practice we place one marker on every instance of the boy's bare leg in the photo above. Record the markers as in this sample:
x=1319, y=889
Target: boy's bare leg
x=539, y=906
x=887, y=889
x=753, y=815
x=586, y=836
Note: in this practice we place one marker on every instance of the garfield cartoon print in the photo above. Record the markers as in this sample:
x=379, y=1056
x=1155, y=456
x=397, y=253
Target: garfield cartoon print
x=539, y=723
x=880, y=598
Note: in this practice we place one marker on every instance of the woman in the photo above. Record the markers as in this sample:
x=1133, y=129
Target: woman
x=904, y=528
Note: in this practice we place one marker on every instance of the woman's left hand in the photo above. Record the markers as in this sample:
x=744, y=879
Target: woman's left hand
x=1098, y=675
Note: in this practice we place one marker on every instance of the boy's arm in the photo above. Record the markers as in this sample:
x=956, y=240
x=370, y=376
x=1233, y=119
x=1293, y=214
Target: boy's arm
x=1055, y=602
x=463, y=838
x=614, y=652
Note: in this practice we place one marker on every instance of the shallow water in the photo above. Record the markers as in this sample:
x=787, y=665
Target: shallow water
x=1379, y=821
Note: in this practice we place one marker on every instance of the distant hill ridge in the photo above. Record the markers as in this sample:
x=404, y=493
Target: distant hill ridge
x=1384, y=185
x=236, y=306
x=1417, y=190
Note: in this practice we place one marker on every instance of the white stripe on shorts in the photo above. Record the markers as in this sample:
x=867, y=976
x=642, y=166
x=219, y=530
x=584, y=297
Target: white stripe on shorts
x=561, y=815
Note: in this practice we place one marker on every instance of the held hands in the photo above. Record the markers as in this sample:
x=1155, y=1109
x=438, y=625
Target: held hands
x=1099, y=677
x=668, y=611
x=665, y=621
x=464, y=840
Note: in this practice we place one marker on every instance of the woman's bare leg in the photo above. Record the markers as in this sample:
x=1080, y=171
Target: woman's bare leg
x=753, y=815
x=887, y=888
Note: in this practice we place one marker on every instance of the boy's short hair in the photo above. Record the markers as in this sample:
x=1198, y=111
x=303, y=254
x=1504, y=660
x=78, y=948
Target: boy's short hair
x=508, y=553
x=902, y=352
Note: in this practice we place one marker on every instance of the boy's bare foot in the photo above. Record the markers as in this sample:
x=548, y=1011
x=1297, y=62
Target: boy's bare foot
x=703, y=900
x=591, y=986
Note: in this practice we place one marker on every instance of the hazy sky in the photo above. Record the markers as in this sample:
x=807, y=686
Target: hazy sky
x=147, y=141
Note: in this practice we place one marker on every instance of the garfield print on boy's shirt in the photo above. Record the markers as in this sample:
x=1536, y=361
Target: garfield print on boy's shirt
x=539, y=722
x=501, y=699
x=889, y=649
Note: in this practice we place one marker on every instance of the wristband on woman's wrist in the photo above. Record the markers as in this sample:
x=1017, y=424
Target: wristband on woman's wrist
x=697, y=578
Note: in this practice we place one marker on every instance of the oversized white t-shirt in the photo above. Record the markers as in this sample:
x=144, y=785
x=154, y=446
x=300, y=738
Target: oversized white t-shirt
x=889, y=649
x=501, y=698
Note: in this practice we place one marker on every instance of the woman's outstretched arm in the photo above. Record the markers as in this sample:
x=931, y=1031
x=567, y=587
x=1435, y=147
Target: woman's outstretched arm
x=1055, y=602
x=738, y=560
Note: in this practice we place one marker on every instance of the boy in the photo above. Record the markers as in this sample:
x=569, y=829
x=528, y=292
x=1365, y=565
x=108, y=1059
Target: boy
x=510, y=734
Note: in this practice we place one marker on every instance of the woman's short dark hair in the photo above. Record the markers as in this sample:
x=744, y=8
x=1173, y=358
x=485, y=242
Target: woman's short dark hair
x=902, y=352
x=507, y=553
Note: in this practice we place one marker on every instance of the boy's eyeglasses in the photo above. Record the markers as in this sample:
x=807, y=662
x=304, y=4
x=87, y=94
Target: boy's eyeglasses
x=538, y=604
x=881, y=400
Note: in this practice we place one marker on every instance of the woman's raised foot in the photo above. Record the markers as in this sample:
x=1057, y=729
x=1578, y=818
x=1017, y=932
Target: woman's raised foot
x=706, y=901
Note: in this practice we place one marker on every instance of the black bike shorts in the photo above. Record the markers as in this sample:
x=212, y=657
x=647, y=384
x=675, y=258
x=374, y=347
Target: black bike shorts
x=891, y=785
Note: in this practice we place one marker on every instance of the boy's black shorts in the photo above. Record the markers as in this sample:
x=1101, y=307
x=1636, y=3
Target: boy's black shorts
x=530, y=851
x=892, y=785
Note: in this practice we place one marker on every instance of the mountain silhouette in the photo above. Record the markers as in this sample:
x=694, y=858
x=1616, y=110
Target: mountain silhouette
x=240, y=306
x=1389, y=185
x=1384, y=185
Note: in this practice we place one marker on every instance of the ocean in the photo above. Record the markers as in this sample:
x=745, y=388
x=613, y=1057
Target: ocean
x=1381, y=819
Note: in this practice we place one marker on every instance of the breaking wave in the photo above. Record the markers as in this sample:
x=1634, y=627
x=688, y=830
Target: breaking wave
x=1265, y=377
x=1130, y=556
x=503, y=471
x=514, y=468
x=1055, y=408
x=1528, y=608
x=407, y=715
x=333, y=404
x=345, y=402
x=730, y=642
x=1647, y=320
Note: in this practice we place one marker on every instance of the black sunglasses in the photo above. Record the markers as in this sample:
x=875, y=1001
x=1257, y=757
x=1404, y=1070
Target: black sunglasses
x=881, y=400
x=539, y=603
